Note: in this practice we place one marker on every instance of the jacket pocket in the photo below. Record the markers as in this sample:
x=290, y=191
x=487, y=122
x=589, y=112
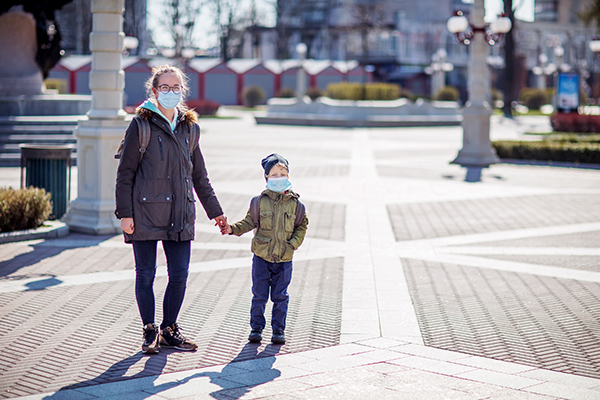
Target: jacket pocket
x=289, y=252
x=289, y=222
x=156, y=209
x=190, y=207
x=260, y=246
x=266, y=220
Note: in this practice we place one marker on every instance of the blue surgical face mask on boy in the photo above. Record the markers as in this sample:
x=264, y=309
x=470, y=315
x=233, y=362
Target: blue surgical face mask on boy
x=279, y=184
x=169, y=100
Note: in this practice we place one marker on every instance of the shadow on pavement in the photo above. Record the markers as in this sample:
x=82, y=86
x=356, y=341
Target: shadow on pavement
x=154, y=364
x=42, y=250
x=43, y=283
x=237, y=381
x=227, y=377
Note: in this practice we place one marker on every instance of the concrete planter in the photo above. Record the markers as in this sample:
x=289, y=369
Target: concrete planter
x=50, y=230
x=348, y=113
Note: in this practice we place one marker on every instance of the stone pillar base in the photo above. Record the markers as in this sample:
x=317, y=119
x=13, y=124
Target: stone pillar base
x=93, y=210
x=92, y=219
x=477, y=149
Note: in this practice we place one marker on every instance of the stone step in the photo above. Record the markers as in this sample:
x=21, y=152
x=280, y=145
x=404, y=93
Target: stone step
x=38, y=138
x=13, y=146
x=36, y=129
x=42, y=120
x=14, y=159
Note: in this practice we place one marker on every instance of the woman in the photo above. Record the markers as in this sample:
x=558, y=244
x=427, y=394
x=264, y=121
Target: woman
x=155, y=201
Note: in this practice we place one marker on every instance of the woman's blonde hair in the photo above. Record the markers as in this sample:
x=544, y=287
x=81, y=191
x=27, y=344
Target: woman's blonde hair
x=157, y=72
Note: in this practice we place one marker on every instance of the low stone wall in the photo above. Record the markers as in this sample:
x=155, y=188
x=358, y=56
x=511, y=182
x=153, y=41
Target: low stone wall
x=45, y=104
x=347, y=113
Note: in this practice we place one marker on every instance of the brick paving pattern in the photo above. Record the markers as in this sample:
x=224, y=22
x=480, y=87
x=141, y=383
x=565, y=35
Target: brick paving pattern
x=527, y=319
x=585, y=239
x=60, y=336
x=449, y=218
x=586, y=263
x=522, y=286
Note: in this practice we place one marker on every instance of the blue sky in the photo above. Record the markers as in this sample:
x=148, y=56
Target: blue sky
x=524, y=9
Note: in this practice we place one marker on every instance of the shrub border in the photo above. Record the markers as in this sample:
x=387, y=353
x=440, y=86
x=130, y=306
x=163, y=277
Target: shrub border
x=49, y=230
x=547, y=151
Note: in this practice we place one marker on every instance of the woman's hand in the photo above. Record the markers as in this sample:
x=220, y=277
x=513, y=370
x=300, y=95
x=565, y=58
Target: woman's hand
x=127, y=225
x=221, y=221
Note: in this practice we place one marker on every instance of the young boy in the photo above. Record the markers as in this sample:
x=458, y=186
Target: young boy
x=279, y=231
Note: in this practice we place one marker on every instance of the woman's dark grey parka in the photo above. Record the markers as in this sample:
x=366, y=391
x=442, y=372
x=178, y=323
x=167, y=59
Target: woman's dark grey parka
x=157, y=191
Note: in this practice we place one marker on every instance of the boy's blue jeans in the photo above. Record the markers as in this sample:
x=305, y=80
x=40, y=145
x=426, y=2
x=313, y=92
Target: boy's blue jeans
x=178, y=262
x=274, y=278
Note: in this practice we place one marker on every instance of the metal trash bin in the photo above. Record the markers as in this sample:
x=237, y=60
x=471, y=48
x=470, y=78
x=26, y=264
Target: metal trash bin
x=48, y=167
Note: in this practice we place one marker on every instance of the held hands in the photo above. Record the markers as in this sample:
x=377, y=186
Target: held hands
x=221, y=222
x=127, y=225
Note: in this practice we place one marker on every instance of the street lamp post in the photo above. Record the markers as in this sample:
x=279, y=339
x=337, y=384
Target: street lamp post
x=542, y=70
x=477, y=151
x=301, y=76
x=437, y=69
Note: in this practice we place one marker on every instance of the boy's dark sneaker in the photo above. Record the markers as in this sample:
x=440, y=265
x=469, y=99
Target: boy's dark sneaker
x=151, y=339
x=278, y=337
x=171, y=337
x=255, y=335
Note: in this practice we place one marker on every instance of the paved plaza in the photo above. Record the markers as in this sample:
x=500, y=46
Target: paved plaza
x=411, y=283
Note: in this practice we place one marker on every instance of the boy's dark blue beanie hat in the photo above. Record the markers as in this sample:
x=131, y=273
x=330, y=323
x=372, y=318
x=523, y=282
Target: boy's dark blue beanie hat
x=269, y=161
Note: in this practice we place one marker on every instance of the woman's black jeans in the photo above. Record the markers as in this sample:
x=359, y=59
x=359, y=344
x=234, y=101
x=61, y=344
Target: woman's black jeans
x=178, y=262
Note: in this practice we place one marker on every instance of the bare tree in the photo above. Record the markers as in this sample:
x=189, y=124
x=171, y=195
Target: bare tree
x=288, y=18
x=369, y=17
x=231, y=24
x=510, y=94
x=179, y=20
x=591, y=14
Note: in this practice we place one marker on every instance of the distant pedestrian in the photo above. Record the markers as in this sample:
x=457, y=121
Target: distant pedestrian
x=281, y=223
x=155, y=201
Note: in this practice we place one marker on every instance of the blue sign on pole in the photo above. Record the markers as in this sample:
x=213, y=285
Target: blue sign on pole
x=567, y=93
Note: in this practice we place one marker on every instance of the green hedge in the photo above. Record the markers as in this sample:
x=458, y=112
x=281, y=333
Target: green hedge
x=561, y=148
x=533, y=98
x=371, y=91
x=253, y=96
x=22, y=209
x=447, y=93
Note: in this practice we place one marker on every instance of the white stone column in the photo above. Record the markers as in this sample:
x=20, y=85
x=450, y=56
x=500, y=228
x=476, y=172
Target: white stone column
x=477, y=150
x=98, y=136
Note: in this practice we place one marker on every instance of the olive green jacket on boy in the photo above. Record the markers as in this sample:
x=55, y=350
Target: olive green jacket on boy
x=275, y=238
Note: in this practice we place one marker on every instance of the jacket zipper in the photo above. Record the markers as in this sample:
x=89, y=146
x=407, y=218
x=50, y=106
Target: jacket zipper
x=162, y=158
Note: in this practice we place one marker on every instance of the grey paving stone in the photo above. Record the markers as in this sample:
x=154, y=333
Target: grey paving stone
x=531, y=320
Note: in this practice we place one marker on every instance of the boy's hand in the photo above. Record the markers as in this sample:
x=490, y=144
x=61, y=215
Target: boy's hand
x=226, y=230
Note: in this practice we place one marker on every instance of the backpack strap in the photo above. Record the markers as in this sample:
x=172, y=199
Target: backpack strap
x=194, y=136
x=254, y=209
x=143, y=134
x=300, y=211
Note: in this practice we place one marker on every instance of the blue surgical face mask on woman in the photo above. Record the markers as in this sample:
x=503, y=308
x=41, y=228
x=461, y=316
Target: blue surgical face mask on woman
x=169, y=100
x=279, y=184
